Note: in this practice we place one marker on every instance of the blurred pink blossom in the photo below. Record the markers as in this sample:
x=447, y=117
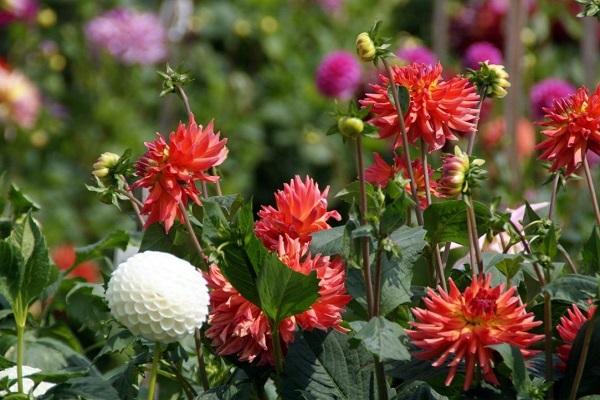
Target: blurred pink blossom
x=417, y=54
x=543, y=94
x=19, y=98
x=338, y=75
x=18, y=10
x=481, y=51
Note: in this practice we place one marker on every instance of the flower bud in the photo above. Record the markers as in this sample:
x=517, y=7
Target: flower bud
x=365, y=47
x=351, y=127
x=459, y=174
x=490, y=79
x=104, y=163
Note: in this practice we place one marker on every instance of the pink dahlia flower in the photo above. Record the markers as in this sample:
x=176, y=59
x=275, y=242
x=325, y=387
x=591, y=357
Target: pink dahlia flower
x=20, y=99
x=130, y=36
x=543, y=94
x=479, y=52
x=417, y=54
x=18, y=10
x=338, y=75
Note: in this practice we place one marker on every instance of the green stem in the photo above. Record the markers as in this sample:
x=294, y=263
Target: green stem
x=587, y=339
x=200, y=357
x=474, y=234
x=277, y=353
x=553, y=195
x=154, y=371
x=548, y=341
x=20, y=352
x=193, y=237
x=590, y=183
x=380, y=377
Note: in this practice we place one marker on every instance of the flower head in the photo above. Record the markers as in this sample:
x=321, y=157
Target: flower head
x=20, y=100
x=300, y=210
x=568, y=328
x=437, y=109
x=338, y=75
x=170, y=170
x=457, y=327
x=545, y=92
x=130, y=36
x=493, y=132
x=18, y=10
x=239, y=327
x=571, y=128
x=380, y=173
x=365, y=47
x=158, y=296
x=490, y=79
x=29, y=386
x=459, y=173
x=417, y=54
x=64, y=257
x=481, y=52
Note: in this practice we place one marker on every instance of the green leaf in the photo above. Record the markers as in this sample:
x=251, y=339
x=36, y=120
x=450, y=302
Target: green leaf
x=418, y=390
x=214, y=221
x=591, y=253
x=87, y=306
x=503, y=267
x=115, y=240
x=329, y=242
x=530, y=215
x=321, y=366
x=21, y=203
x=573, y=289
x=513, y=359
x=89, y=388
x=237, y=387
x=284, y=292
x=447, y=221
x=11, y=264
x=384, y=338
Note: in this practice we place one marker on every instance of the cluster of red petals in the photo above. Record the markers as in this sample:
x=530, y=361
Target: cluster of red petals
x=300, y=210
x=64, y=256
x=238, y=327
x=438, y=108
x=171, y=170
x=455, y=327
x=568, y=328
x=572, y=127
x=380, y=173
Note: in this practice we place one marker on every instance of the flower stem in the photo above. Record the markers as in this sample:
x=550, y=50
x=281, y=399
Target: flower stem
x=200, y=356
x=568, y=258
x=536, y=266
x=195, y=241
x=474, y=234
x=590, y=183
x=587, y=339
x=553, y=195
x=472, y=257
x=154, y=371
x=402, y=133
x=380, y=377
x=363, y=220
x=471, y=142
x=378, y=273
x=548, y=341
x=277, y=353
x=436, y=248
x=20, y=325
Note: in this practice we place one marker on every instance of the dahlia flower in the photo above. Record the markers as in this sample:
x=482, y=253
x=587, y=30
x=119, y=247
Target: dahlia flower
x=380, y=173
x=170, y=170
x=457, y=327
x=20, y=100
x=438, y=108
x=158, y=296
x=338, y=75
x=568, y=328
x=417, y=54
x=331, y=6
x=64, y=257
x=18, y=10
x=543, y=94
x=28, y=384
x=480, y=52
x=238, y=327
x=130, y=36
x=572, y=127
x=300, y=210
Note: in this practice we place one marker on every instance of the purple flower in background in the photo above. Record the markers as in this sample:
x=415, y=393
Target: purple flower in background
x=338, y=75
x=543, y=94
x=417, y=54
x=481, y=51
x=330, y=5
x=18, y=10
x=130, y=36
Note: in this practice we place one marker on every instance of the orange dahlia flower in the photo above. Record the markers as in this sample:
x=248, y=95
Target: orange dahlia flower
x=300, y=210
x=455, y=327
x=170, y=170
x=572, y=127
x=568, y=328
x=437, y=108
x=239, y=327
x=380, y=173
x=64, y=256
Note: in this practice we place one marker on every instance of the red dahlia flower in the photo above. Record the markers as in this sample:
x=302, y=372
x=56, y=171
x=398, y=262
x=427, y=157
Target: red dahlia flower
x=459, y=327
x=437, y=108
x=380, y=173
x=64, y=256
x=572, y=128
x=568, y=328
x=300, y=210
x=170, y=170
x=239, y=327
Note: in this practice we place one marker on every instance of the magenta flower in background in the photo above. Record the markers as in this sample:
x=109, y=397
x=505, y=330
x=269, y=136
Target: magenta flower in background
x=130, y=36
x=481, y=51
x=417, y=54
x=18, y=10
x=543, y=94
x=331, y=6
x=20, y=99
x=338, y=75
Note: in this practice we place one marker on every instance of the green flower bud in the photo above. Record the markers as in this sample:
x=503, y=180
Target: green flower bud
x=105, y=162
x=365, y=47
x=459, y=174
x=490, y=79
x=351, y=127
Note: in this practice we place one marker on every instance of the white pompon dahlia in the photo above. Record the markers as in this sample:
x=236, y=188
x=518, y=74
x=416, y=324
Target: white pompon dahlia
x=28, y=384
x=158, y=296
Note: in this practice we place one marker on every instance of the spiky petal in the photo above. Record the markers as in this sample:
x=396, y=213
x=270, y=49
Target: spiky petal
x=568, y=328
x=437, y=109
x=457, y=327
x=300, y=210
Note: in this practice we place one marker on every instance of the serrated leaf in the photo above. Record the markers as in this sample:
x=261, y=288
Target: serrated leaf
x=418, y=390
x=513, y=359
x=86, y=305
x=21, y=203
x=328, y=242
x=383, y=338
x=573, y=289
x=591, y=253
x=447, y=221
x=115, y=240
x=89, y=388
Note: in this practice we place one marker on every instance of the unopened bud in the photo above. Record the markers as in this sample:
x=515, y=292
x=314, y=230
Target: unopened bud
x=351, y=126
x=104, y=163
x=365, y=47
